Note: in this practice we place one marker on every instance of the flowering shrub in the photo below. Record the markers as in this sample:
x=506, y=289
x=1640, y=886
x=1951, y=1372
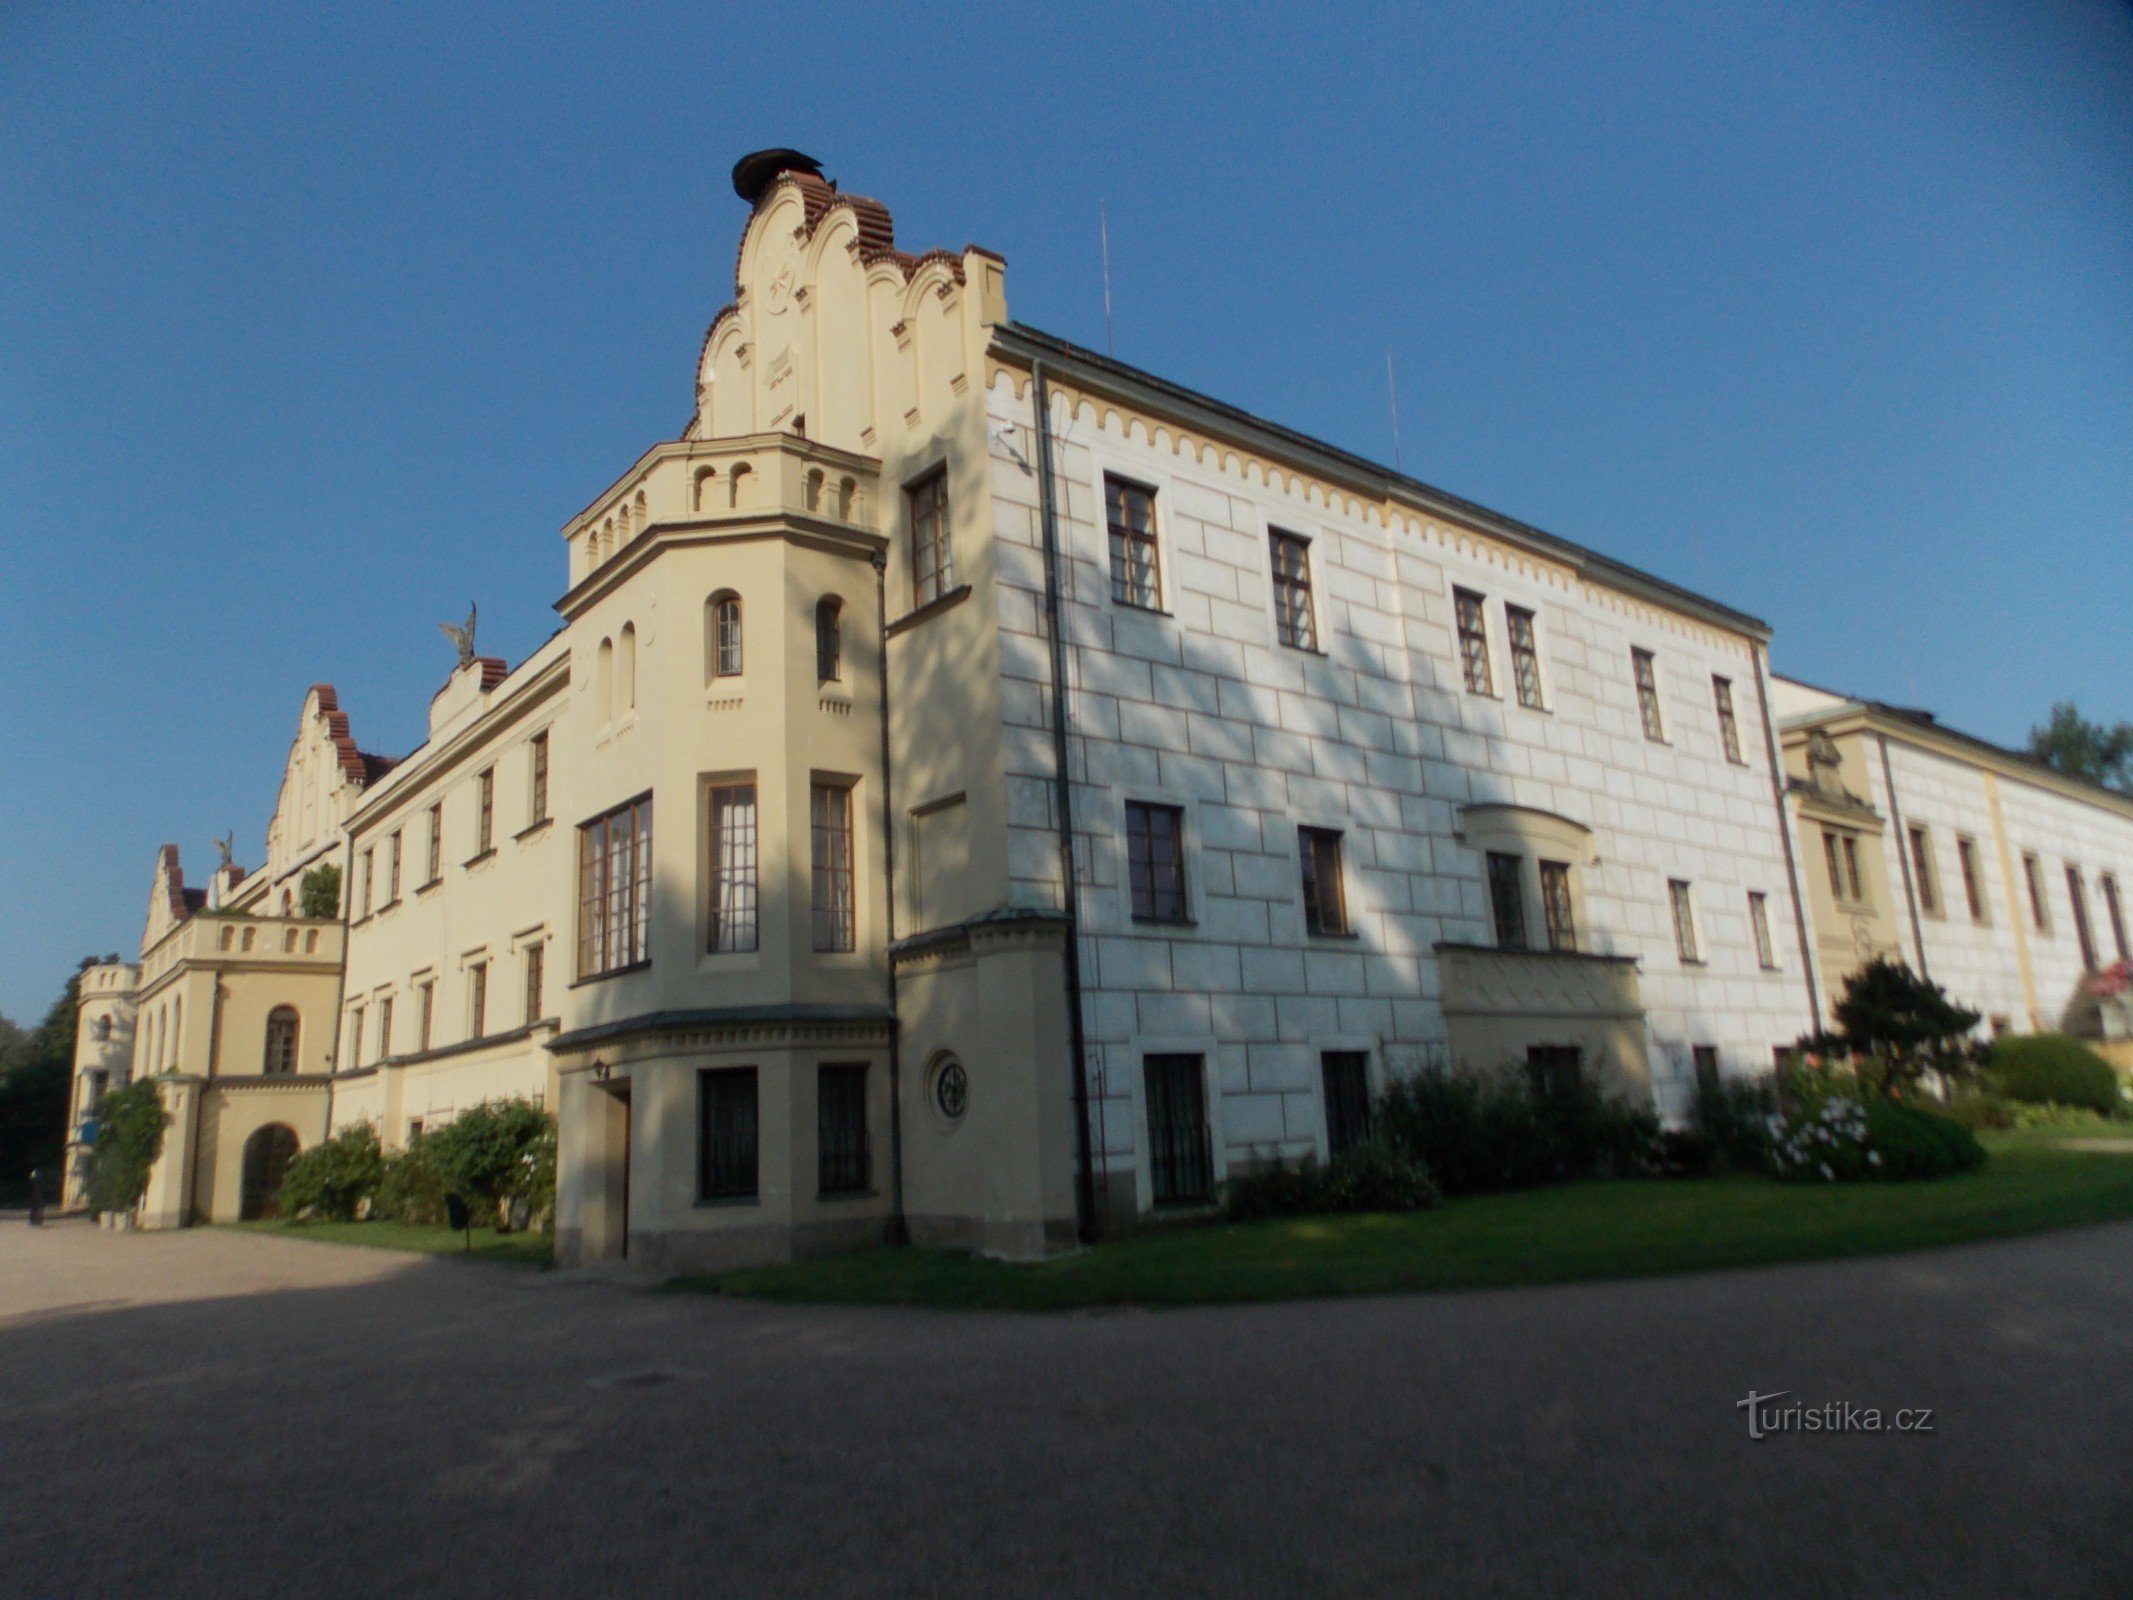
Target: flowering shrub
x=1842, y=1140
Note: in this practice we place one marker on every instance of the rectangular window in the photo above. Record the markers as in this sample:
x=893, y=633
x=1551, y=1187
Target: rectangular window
x=385, y=1027
x=1155, y=861
x=369, y=863
x=425, y=1010
x=615, y=889
x=1556, y=906
x=1836, y=871
x=485, y=810
x=2116, y=910
x=436, y=860
x=1922, y=872
x=2033, y=879
x=1647, y=676
x=830, y=807
x=478, y=1000
x=1704, y=1059
x=1728, y=724
x=1851, y=868
x=1325, y=905
x=1973, y=883
x=725, y=1134
x=2077, y=894
x=538, y=807
x=1759, y=925
x=1473, y=642
x=841, y=1155
x=1554, y=1069
x=1136, y=567
x=1507, y=899
x=732, y=925
x=1294, y=623
x=1525, y=656
x=1180, y=1165
x=536, y=963
x=1346, y=1074
x=392, y=868
x=932, y=562
x=1684, y=920
x=355, y=1036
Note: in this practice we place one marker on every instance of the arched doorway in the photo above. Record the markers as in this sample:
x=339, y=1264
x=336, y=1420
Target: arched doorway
x=267, y=1155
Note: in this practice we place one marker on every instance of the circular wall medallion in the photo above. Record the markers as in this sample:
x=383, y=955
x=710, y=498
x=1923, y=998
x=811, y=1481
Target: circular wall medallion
x=951, y=1089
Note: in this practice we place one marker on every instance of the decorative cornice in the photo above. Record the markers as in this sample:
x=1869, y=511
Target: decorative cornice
x=737, y=1024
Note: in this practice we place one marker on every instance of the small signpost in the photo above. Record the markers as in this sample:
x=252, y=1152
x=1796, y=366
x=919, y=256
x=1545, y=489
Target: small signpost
x=455, y=1216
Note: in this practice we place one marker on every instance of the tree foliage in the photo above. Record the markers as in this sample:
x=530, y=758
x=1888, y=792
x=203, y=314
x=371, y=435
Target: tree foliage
x=1899, y=1026
x=319, y=892
x=129, y=1137
x=36, y=1077
x=335, y=1176
x=2072, y=744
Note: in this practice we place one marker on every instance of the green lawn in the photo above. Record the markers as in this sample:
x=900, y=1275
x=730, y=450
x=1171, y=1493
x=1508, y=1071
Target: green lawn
x=2035, y=1180
x=519, y=1249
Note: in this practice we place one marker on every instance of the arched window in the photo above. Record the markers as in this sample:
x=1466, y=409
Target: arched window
x=604, y=680
x=848, y=499
x=706, y=481
x=722, y=636
x=281, y=1042
x=814, y=490
x=103, y=1029
x=626, y=669
x=640, y=511
x=829, y=639
x=737, y=485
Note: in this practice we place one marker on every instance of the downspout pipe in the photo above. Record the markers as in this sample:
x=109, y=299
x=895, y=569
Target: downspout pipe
x=1063, y=806
x=1792, y=865
x=1903, y=853
x=898, y=1231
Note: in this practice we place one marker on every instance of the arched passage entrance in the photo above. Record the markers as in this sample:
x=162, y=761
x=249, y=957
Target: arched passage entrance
x=267, y=1155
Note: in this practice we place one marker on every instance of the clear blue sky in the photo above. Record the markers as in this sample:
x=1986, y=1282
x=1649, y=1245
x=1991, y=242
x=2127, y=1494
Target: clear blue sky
x=313, y=327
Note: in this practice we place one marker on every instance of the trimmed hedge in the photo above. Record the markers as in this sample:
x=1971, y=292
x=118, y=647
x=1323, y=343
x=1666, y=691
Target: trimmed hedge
x=2053, y=1069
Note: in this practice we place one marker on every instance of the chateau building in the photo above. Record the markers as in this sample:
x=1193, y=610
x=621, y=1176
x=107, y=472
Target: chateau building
x=985, y=793
x=2000, y=879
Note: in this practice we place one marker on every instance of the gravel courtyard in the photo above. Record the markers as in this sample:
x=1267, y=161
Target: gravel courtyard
x=216, y=1413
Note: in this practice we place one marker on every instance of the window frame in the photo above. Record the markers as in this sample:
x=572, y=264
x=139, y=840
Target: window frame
x=2040, y=915
x=1309, y=841
x=1644, y=673
x=1759, y=930
x=725, y=636
x=1728, y=719
x=1138, y=859
x=1504, y=875
x=833, y=849
x=829, y=639
x=615, y=918
x=1470, y=630
x=744, y=879
x=484, y=813
x=1124, y=540
x=1559, y=913
x=1178, y=1153
x=436, y=844
x=1688, y=941
x=1925, y=874
x=537, y=779
x=1968, y=863
x=1348, y=1107
x=2114, y=908
x=843, y=1144
x=931, y=555
x=743, y=1180
x=1525, y=657
x=536, y=974
x=285, y=1026
x=1295, y=597
x=2077, y=896
x=477, y=1001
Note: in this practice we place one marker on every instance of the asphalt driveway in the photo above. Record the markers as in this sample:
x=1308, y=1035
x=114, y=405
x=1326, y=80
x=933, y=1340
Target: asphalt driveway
x=215, y=1413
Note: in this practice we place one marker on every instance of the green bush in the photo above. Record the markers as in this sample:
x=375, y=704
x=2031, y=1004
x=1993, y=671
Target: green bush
x=1367, y=1178
x=499, y=1155
x=129, y=1137
x=411, y=1188
x=1920, y=1144
x=2021, y=1115
x=333, y=1178
x=1475, y=1134
x=2053, y=1069
x=1848, y=1141
x=1978, y=1106
x=1733, y=1114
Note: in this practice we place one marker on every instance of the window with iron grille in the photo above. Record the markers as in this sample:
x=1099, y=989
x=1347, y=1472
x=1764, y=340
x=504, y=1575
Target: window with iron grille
x=436, y=854
x=392, y=868
x=732, y=846
x=841, y=1125
x=2033, y=878
x=1155, y=861
x=1294, y=623
x=1473, y=641
x=281, y=1041
x=478, y=1000
x=1647, y=675
x=725, y=641
x=425, y=1009
x=1556, y=906
x=1525, y=656
x=1181, y=1164
x=538, y=808
x=1346, y=1076
x=1684, y=905
x=385, y=1027
x=829, y=640
x=725, y=1134
x=1507, y=899
x=1554, y=1069
x=2083, y=934
x=1728, y=724
x=1759, y=925
x=1922, y=870
x=1973, y=884
x=932, y=560
x=1325, y=903
x=615, y=889
x=485, y=810
x=1136, y=567
x=830, y=805
x=2117, y=913
x=536, y=963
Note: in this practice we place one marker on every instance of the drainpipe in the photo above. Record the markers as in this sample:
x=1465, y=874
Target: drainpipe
x=1063, y=801
x=1792, y=866
x=1903, y=854
x=899, y=1229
